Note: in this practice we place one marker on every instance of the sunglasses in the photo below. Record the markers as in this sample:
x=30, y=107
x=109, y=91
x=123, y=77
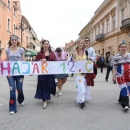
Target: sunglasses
x=86, y=40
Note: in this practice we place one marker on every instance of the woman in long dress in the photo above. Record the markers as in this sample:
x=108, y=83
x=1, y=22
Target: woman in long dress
x=83, y=92
x=46, y=83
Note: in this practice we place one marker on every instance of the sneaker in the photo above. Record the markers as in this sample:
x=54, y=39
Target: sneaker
x=12, y=112
x=126, y=108
x=60, y=93
x=22, y=103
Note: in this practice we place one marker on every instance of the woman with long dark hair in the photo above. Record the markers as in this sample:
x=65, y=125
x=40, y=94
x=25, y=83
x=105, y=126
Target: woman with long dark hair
x=15, y=53
x=46, y=83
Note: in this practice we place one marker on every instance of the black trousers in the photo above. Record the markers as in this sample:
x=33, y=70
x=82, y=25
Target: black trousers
x=101, y=66
x=124, y=101
x=109, y=68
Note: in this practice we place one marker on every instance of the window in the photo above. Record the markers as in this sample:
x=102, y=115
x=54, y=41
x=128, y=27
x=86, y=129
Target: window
x=14, y=12
x=14, y=29
x=23, y=37
x=8, y=28
x=34, y=47
x=9, y=4
x=113, y=22
x=99, y=52
x=98, y=29
x=92, y=36
x=18, y=33
x=122, y=14
x=27, y=39
x=103, y=28
x=108, y=26
x=18, y=16
x=95, y=32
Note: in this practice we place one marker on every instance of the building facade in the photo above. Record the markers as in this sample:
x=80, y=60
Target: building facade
x=10, y=16
x=13, y=22
x=109, y=25
x=70, y=47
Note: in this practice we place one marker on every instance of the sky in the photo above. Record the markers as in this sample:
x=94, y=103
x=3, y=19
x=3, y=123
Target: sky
x=59, y=21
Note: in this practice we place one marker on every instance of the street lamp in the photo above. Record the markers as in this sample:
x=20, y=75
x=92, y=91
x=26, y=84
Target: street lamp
x=23, y=27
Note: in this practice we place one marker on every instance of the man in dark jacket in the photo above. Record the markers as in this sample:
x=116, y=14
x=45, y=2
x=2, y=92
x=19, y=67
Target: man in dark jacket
x=109, y=61
x=102, y=62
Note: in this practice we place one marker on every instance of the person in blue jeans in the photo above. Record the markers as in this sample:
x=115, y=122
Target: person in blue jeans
x=15, y=53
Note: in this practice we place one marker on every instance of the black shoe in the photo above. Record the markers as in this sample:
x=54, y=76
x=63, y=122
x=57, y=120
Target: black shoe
x=82, y=105
x=119, y=101
x=106, y=79
x=114, y=82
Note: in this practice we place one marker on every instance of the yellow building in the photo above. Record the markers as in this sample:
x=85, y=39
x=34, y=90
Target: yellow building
x=109, y=25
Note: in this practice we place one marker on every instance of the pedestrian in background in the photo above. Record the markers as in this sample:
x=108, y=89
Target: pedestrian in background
x=109, y=64
x=102, y=62
x=46, y=83
x=34, y=58
x=97, y=61
x=62, y=78
x=15, y=53
x=121, y=72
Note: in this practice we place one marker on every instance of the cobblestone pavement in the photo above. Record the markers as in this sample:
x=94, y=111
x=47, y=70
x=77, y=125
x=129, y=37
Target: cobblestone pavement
x=63, y=113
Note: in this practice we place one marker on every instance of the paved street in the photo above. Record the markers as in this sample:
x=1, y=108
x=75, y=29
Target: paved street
x=63, y=113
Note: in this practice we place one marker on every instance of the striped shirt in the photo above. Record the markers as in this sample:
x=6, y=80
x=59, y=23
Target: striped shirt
x=119, y=59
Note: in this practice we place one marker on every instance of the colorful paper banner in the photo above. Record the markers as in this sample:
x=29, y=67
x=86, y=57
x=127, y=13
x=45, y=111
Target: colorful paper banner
x=41, y=68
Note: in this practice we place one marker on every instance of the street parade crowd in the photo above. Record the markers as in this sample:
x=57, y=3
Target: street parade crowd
x=118, y=64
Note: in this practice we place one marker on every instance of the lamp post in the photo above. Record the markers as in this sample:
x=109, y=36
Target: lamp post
x=22, y=26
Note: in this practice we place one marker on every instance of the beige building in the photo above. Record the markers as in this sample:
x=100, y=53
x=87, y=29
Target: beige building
x=109, y=25
x=70, y=47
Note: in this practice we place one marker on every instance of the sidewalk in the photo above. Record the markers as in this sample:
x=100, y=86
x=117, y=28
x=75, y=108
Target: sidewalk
x=63, y=113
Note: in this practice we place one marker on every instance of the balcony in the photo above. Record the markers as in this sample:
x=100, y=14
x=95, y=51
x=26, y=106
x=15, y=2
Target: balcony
x=100, y=37
x=125, y=25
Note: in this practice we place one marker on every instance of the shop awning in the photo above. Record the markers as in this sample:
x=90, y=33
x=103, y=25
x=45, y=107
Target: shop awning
x=30, y=53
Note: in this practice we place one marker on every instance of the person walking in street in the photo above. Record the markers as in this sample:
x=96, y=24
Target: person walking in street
x=121, y=72
x=90, y=55
x=102, y=62
x=83, y=92
x=46, y=83
x=62, y=78
x=15, y=53
x=109, y=63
